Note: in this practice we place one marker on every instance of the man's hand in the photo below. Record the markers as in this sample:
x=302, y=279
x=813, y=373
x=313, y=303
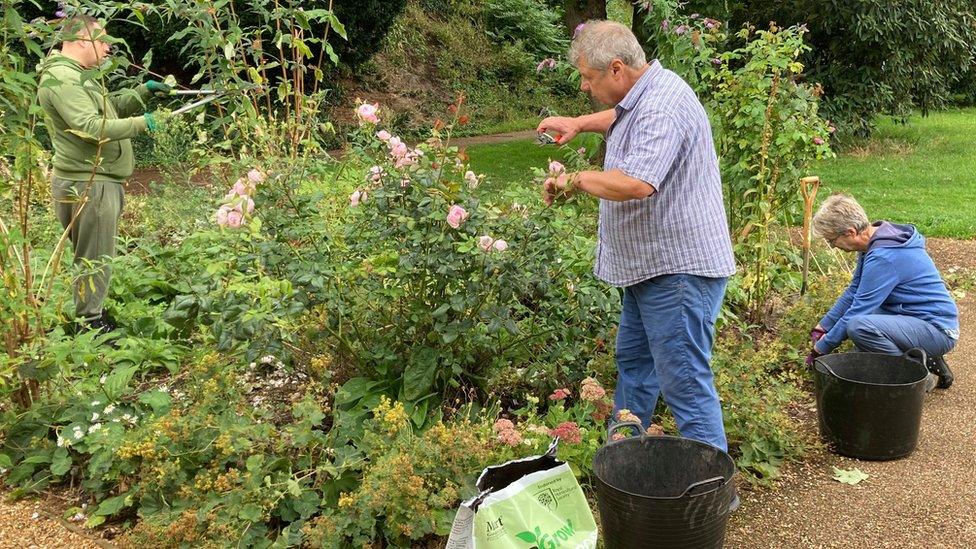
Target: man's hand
x=156, y=119
x=562, y=128
x=558, y=187
x=158, y=88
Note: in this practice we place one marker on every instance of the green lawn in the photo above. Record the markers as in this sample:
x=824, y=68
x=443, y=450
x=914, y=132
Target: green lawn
x=923, y=173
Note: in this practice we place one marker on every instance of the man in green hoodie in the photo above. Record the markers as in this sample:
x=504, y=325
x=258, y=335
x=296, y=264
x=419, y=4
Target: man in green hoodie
x=90, y=130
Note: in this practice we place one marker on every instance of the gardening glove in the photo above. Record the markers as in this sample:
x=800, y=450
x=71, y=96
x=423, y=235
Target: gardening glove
x=156, y=119
x=158, y=88
x=812, y=357
x=816, y=334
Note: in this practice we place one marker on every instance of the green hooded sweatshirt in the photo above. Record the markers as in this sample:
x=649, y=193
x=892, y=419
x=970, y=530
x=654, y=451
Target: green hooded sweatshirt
x=75, y=101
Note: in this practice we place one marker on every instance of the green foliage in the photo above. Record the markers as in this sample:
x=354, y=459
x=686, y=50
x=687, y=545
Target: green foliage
x=873, y=57
x=531, y=23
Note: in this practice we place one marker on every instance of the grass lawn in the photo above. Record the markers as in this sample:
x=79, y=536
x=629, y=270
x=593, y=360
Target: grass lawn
x=923, y=173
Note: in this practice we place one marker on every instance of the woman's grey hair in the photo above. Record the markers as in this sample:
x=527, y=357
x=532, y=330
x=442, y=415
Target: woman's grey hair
x=600, y=42
x=837, y=214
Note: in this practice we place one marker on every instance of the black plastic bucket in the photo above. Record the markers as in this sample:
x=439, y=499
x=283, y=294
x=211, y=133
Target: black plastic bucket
x=869, y=405
x=663, y=491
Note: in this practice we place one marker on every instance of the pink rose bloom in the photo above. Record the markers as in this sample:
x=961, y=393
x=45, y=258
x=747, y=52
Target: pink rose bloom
x=375, y=173
x=356, y=197
x=591, y=390
x=398, y=149
x=235, y=218
x=817, y=141
x=559, y=394
x=486, y=242
x=456, y=215
x=568, y=431
x=556, y=167
x=471, y=178
x=255, y=176
x=500, y=245
x=383, y=135
x=367, y=113
x=240, y=188
x=222, y=215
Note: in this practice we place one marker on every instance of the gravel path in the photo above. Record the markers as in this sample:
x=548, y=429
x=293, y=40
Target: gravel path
x=925, y=500
x=31, y=524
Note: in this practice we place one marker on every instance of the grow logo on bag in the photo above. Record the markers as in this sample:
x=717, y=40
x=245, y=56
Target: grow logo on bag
x=550, y=540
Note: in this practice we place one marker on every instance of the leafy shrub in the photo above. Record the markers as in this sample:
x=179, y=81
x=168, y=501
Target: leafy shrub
x=530, y=22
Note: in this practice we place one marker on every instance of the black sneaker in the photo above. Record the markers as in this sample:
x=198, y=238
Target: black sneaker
x=937, y=365
x=103, y=324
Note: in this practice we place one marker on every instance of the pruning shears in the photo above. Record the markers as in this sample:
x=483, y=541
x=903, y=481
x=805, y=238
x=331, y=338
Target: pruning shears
x=210, y=95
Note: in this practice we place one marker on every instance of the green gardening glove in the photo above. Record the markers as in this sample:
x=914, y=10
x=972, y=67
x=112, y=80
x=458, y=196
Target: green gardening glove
x=158, y=88
x=156, y=119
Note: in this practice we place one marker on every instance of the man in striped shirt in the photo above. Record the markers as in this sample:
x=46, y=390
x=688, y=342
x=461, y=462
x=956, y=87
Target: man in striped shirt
x=663, y=235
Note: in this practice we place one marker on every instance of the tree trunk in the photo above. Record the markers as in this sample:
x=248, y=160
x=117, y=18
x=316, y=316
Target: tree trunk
x=581, y=11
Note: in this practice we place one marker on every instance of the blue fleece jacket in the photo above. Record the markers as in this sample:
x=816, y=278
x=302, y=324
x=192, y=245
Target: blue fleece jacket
x=895, y=276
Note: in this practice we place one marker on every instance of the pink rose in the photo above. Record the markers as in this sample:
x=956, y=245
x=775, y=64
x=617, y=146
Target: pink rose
x=255, y=176
x=456, y=215
x=500, y=245
x=222, y=215
x=556, y=167
x=486, y=242
x=383, y=135
x=398, y=149
x=356, y=197
x=367, y=113
x=375, y=173
x=240, y=188
x=235, y=218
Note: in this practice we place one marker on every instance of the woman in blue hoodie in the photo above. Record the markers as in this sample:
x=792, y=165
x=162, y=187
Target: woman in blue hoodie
x=897, y=299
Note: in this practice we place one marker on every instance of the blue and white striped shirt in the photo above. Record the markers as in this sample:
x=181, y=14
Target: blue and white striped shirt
x=662, y=136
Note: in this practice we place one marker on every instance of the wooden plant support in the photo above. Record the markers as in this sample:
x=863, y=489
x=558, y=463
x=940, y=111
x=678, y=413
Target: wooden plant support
x=808, y=187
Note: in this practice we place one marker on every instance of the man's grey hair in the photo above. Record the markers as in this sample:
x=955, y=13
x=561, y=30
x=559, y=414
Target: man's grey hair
x=600, y=42
x=837, y=214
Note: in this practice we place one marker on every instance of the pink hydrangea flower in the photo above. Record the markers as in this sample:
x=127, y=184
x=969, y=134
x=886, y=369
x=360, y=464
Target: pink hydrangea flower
x=502, y=424
x=383, y=135
x=590, y=390
x=456, y=215
x=626, y=415
x=567, y=431
x=559, y=394
x=500, y=245
x=367, y=113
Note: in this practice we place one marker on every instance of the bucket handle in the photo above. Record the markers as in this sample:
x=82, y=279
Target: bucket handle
x=623, y=424
x=700, y=483
x=916, y=354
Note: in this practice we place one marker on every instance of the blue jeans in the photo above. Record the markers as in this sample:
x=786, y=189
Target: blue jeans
x=664, y=344
x=895, y=334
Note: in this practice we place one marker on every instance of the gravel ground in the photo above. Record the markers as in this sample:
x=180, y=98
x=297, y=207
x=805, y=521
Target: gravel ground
x=925, y=500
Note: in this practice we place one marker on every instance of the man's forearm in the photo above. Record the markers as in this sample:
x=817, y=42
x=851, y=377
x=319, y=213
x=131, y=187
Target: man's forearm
x=612, y=185
x=598, y=122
